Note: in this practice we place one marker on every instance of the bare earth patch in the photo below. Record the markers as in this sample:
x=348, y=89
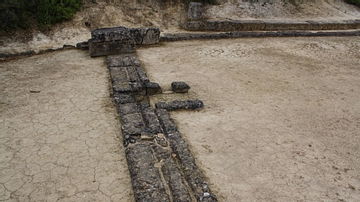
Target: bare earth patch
x=59, y=138
x=282, y=115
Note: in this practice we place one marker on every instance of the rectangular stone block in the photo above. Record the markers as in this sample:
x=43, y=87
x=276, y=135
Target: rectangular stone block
x=120, y=81
x=152, y=36
x=150, y=119
x=177, y=104
x=133, y=74
x=145, y=178
x=142, y=75
x=192, y=174
x=166, y=122
x=121, y=34
x=132, y=124
x=276, y=25
x=111, y=48
x=172, y=175
x=114, y=61
x=120, y=98
x=145, y=36
x=128, y=108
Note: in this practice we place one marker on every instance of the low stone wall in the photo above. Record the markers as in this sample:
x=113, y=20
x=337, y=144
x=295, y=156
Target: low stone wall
x=118, y=40
x=229, y=35
x=259, y=25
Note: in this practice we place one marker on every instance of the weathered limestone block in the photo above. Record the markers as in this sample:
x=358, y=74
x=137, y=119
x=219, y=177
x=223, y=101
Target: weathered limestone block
x=152, y=36
x=172, y=175
x=128, y=108
x=179, y=87
x=122, y=60
x=192, y=174
x=277, y=25
x=111, y=48
x=195, y=11
x=175, y=105
x=146, y=180
x=153, y=88
x=151, y=121
x=142, y=75
x=120, y=80
x=114, y=61
x=112, y=34
x=110, y=41
x=132, y=124
x=145, y=36
x=120, y=98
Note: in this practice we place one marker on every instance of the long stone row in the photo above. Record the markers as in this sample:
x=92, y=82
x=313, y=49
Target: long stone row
x=197, y=22
x=161, y=165
x=253, y=34
x=267, y=25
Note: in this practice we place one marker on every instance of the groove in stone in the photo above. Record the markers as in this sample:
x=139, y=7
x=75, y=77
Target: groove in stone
x=186, y=161
x=145, y=177
x=172, y=175
x=150, y=119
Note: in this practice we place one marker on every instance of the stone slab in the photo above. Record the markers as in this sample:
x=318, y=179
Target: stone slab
x=186, y=161
x=111, y=48
x=150, y=119
x=146, y=180
x=176, y=105
x=112, y=34
x=172, y=175
x=268, y=25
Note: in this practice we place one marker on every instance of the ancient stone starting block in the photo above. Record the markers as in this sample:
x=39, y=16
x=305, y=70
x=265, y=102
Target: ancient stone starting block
x=120, y=40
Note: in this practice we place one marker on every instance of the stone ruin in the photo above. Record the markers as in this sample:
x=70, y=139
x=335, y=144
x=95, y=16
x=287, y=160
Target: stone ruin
x=118, y=40
x=161, y=165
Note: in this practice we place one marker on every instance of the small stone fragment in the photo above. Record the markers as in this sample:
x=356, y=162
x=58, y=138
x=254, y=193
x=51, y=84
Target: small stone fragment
x=180, y=87
x=153, y=88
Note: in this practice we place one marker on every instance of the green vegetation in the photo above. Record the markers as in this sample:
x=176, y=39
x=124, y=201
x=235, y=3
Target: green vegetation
x=355, y=2
x=15, y=14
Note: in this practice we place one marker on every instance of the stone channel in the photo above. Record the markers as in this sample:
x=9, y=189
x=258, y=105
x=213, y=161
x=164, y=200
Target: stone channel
x=161, y=165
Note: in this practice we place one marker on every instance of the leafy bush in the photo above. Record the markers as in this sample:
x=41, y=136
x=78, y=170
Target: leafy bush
x=17, y=14
x=355, y=2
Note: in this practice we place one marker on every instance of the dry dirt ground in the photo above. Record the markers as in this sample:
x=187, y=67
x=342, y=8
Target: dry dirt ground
x=282, y=115
x=281, y=120
x=59, y=131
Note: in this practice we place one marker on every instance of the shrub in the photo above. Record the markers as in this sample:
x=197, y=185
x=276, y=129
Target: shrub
x=355, y=2
x=17, y=14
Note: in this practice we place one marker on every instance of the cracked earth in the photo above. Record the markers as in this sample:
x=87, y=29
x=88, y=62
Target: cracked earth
x=59, y=131
x=282, y=115
x=281, y=120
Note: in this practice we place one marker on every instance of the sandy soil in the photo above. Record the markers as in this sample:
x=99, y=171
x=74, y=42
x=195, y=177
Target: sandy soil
x=59, y=131
x=282, y=115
